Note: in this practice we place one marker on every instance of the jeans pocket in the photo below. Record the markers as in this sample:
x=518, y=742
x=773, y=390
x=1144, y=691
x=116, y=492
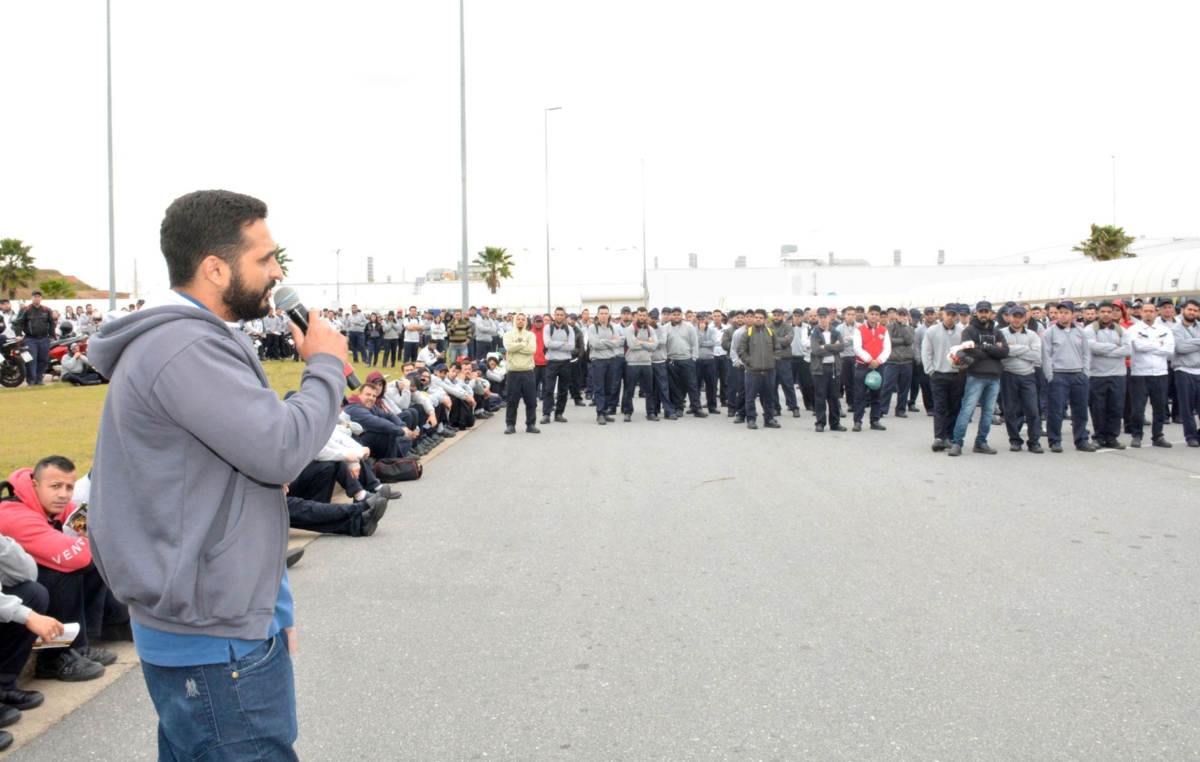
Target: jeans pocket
x=261, y=656
x=185, y=707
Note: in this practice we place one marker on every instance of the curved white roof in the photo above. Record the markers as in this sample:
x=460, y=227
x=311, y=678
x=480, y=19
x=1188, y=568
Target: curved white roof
x=1171, y=273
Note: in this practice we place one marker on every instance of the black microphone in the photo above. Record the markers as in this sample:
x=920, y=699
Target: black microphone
x=288, y=300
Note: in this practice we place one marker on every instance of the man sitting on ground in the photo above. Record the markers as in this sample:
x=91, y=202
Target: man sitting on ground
x=23, y=605
x=64, y=564
x=77, y=370
x=383, y=432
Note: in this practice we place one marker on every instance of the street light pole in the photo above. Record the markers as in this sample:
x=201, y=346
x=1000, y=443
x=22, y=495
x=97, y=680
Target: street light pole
x=645, y=279
x=337, y=259
x=546, y=149
x=462, y=95
x=112, y=241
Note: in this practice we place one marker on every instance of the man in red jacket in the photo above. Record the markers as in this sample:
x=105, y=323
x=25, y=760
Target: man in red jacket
x=64, y=562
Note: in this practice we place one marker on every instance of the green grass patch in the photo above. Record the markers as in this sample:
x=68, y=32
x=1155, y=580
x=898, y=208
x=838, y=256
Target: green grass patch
x=60, y=419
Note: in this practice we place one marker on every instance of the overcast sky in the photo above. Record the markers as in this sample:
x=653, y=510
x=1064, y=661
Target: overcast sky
x=849, y=127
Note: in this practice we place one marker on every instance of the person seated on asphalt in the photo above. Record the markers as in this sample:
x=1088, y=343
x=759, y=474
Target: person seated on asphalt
x=400, y=397
x=480, y=389
x=344, y=461
x=356, y=519
x=495, y=374
x=434, y=399
x=77, y=370
x=23, y=620
x=462, y=402
x=64, y=565
x=383, y=432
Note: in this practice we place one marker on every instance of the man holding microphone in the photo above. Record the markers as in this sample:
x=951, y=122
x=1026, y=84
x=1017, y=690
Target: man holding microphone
x=188, y=519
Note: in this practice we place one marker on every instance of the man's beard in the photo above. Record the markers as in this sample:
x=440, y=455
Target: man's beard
x=244, y=303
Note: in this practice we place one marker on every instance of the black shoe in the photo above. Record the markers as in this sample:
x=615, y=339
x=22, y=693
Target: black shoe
x=559, y=419
x=877, y=426
x=293, y=556
x=737, y=419
x=1177, y=420
x=751, y=425
x=628, y=417
x=114, y=633
x=729, y=413
x=99, y=655
x=580, y=403
x=609, y=417
x=913, y=408
x=22, y=700
x=713, y=411
x=1193, y=443
x=9, y=716
x=1112, y=445
x=68, y=667
x=388, y=491
x=1086, y=447
x=796, y=412
x=1160, y=442
x=448, y=433
x=820, y=427
x=955, y=450
x=1036, y=448
x=601, y=420
x=939, y=445
x=1135, y=442
x=839, y=427
x=376, y=507
x=6, y=739
x=672, y=417
x=652, y=417
x=1014, y=448
x=510, y=429
x=858, y=427
x=545, y=419
x=532, y=430
x=984, y=449
x=772, y=424
x=699, y=413
x=901, y=414
x=1057, y=447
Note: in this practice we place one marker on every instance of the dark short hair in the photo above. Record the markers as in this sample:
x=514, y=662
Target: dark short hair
x=203, y=223
x=62, y=463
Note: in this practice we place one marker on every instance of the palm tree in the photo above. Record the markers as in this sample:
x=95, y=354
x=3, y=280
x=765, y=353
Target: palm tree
x=1107, y=242
x=282, y=259
x=57, y=288
x=16, y=266
x=498, y=263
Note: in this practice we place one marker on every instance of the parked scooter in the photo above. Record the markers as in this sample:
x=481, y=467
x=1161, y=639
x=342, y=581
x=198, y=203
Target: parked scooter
x=13, y=359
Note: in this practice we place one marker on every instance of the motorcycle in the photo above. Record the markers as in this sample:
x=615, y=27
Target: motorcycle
x=13, y=359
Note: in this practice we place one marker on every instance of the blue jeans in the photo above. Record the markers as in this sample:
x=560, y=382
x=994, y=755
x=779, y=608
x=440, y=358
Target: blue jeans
x=605, y=385
x=1187, y=388
x=982, y=391
x=897, y=379
x=35, y=369
x=760, y=385
x=235, y=711
x=1067, y=387
x=662, y=391
x=358, y=344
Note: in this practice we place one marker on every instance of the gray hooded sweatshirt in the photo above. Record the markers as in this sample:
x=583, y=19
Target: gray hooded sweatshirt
x=187, y=520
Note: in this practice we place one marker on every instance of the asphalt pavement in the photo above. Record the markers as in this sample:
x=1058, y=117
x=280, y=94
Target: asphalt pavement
x=691, y=590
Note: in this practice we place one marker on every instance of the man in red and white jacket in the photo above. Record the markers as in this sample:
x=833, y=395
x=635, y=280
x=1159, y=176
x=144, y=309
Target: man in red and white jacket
x=872, y=345
x=64, y=564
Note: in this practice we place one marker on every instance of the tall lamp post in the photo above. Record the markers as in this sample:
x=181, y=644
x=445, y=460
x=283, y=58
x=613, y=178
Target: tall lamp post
x=546, y=149
x=112, y=242
x=645, y=279
x=462, y=95
x=337, y=275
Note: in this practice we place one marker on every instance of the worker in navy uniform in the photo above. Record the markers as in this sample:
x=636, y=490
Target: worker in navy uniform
x=759, y=352
x=825, y=344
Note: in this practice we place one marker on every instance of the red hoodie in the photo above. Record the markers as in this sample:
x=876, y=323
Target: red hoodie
x=24, y=521
x=539, y=353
